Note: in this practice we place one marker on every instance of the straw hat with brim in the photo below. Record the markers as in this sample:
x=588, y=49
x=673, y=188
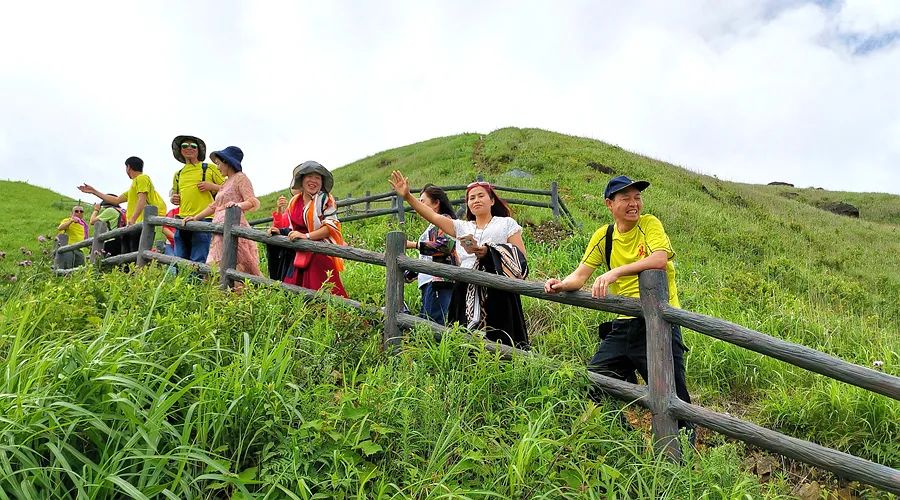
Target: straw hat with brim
x=313, y=167
x=232, y=155
x=176, y=147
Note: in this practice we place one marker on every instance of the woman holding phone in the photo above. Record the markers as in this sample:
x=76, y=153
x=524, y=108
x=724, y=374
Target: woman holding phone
x=435, y=245
x=491, y=241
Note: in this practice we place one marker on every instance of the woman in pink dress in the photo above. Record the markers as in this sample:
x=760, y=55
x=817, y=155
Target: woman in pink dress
x=237, y=191
x=312, y=217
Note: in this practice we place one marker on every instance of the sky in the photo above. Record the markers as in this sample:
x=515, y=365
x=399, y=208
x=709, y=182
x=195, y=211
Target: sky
x=748, y=90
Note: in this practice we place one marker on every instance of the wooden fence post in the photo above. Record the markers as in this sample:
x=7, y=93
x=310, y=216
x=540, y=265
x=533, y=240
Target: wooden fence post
x=554, y=199
x=368, y=203
x=59, y=259
x=147, y=234
x=654, y=289
x=97, y=245
x=395, y=246
x=229, y=246
x=401, y=210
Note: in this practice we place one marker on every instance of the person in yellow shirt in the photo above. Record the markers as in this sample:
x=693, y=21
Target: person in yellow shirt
x=140, y=194
x=631, y=244
x=193, y=189
x=76, y=229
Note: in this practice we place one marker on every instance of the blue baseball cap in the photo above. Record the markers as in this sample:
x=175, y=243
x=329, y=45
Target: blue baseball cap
x=621, y=182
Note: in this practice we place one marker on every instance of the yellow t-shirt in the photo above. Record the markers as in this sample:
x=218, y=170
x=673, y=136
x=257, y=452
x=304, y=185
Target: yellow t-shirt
x=185, y=182
x=142, y=184
x=75, y=231
x=646, y=237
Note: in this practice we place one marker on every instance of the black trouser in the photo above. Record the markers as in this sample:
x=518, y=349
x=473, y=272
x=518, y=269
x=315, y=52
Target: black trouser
x=624, y=350
x=130, y=242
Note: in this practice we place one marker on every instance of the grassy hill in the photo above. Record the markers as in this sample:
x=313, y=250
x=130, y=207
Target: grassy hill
x=29, y=211
x=262, y=387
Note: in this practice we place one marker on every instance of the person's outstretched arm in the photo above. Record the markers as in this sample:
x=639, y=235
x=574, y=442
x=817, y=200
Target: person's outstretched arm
x=401, y=187
x=115, y=200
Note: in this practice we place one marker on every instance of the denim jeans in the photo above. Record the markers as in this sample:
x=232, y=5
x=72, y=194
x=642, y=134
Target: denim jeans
x=192, y=245
x=436, y=301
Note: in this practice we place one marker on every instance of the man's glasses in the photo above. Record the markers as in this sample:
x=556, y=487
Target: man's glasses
x=188, y=145
x=79, y=211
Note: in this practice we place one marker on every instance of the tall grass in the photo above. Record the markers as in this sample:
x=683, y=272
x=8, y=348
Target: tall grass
x=148, y=386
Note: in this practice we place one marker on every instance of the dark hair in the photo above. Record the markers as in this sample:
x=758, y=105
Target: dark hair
x=499, y=209
x=135, y=163
x=439, y=195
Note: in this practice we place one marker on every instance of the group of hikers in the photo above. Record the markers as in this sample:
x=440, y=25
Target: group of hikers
x=488, y=239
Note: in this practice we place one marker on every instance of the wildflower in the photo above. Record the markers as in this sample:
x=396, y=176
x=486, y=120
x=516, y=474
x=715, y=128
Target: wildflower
x=25, y=251
x=878, y=364
x=41, y=238
x=13, y=278
x=25, y=263
x=2, y=255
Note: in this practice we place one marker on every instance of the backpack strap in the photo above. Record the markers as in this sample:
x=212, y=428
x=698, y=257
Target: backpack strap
x=204, y=166
x=608, y=250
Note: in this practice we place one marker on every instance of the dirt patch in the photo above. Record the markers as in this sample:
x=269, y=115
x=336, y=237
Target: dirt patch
x=385, y=162
x=548, y=233
x=599, y=167
x=840, y=208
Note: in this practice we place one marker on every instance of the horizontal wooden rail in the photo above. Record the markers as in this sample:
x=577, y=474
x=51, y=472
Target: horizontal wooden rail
x=615, y=387
x=842, y=464
x=76, y=246
x=344, y=252
x=122, y=258
x=795, y=354
x=171, y=259
x=370, y=214
x=612, y=303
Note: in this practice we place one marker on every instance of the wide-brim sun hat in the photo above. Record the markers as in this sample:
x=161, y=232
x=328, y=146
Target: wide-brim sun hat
x=312, y=167
x=176, y=147
x=232, y=155
x=621, y=182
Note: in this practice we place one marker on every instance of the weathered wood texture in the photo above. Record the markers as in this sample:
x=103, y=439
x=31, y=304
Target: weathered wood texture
x=119, y=231
x=59, y=259
x=554, y=199
x=178, y=261
x=612, y=303
x=97, y=243
x=655, y=291
x=123, y=258
x=795, y=354
x=63, y=239
x=349, y=253
x=229, y=244
x=401, y=213
x=198, y=225
x=148, y=232
x=842, y=464
x=393, y=295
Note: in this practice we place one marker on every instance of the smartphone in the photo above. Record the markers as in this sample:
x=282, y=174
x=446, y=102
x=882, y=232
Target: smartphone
x=467, y=241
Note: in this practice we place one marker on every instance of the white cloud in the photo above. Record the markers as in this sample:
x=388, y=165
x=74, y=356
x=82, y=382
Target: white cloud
x=749, y=91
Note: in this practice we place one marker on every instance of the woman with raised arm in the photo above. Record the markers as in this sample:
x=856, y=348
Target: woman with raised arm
x=490, y=241
x=436, y=246
x=312, y=213
x=236, y=191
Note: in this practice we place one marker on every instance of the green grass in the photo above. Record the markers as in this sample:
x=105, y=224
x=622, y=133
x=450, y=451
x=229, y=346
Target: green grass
x=277, y=393
x=30, y=211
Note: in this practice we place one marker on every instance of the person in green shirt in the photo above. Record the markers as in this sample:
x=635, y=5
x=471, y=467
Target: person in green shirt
x=140, y=194
x=76, y=229
x=113, y=216
x=193, y=189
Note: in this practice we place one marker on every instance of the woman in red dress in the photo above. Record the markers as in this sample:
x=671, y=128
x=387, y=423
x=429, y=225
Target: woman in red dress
x=312, y=214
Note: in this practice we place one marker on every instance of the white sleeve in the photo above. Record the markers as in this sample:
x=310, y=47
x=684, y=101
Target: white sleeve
x=512, y=227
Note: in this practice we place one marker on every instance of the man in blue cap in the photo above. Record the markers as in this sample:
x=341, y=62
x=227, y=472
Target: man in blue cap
x=631, y=244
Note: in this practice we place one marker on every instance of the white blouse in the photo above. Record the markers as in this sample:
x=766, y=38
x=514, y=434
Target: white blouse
x=498, y=230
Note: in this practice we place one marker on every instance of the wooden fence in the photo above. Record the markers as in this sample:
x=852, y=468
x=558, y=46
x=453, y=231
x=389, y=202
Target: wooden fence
x=659, y=394
x=350, y=208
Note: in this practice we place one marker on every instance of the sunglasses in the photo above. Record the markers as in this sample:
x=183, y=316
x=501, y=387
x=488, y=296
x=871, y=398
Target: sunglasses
x=479, y=183
x=79, y=211
x=188, y=145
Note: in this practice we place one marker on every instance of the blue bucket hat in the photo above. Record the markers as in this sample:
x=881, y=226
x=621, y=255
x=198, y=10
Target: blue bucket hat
x=621, y=182
x=232, y=155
